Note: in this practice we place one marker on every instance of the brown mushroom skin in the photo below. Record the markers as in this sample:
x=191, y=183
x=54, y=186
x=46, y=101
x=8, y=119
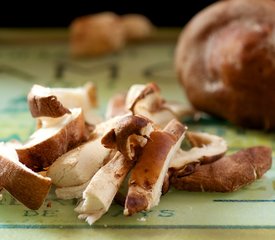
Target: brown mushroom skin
x=27, y=188
x=96, y=34
x=227, y=174
x=46, y=106
x=137, y=27
x=127, y=126
x=43, y=154
x=224, y=61
x=151, y=163
x=147, y=169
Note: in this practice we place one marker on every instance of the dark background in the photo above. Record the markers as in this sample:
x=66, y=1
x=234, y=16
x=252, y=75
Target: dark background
x=60, y=14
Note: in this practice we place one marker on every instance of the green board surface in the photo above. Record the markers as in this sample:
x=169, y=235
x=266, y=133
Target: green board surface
x=246, y=214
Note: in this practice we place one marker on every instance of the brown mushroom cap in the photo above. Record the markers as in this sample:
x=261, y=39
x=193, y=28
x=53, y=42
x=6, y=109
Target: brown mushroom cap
x=225, y=61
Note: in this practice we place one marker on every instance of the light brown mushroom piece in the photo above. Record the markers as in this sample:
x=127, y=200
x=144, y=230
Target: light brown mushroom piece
x=71, y=192
x=96, y=34
x=130, y=134
x=227, y=174
x=102, y=188
x=55, y=102
x=137, y=27
x=206, y=148
x=52, y=140
x=147, y=176
x=78, y=165
x=116, y=106
x=26, y=186
x=147, y=101
x=43, y=104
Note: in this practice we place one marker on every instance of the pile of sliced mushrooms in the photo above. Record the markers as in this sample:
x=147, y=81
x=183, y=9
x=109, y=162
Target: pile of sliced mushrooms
x=139, y=140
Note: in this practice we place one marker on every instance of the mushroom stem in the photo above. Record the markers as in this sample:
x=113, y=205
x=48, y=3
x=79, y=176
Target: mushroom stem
x=71, y=192
x=102, y=188
x=147, y=177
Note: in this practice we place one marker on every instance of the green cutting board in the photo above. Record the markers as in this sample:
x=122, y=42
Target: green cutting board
x=246, y=214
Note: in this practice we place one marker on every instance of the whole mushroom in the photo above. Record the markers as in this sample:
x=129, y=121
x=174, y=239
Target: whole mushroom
x=225, y=61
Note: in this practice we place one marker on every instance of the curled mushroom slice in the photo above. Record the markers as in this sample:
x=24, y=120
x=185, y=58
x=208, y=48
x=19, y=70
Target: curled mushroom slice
x=130, y=133
x=147, y=176
x=102, y=188
x=205, y=148
x=227, y=174
x=147, y=101
x=146, y=96
x=45, y=101
x=26, y=186
x=48, y=143
x=43, y=104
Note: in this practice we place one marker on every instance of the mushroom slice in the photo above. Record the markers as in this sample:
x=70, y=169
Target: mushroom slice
x=26, y=186
x=227, y=174
x=147, y=177
x=102, y=188
x=79, y=164
x=43, y=101
x=129, y=135
x=146, y=96
x=116, y=106
x=48, y=143
x=43, y=104
x=147, y=101
x=205, y=148
x=71, y=192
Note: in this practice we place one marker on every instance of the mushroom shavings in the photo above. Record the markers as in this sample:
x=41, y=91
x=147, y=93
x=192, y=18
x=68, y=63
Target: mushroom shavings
x=139, y=142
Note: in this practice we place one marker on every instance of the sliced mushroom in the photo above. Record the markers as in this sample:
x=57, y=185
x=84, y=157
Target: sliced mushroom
x=180, y=110
x=227, y=174
x=130, y=133
x=116, y=106
x=102, y=188
x=26, y=186
x=146, y=100
x=53, y=102
x=147, y=176
x=42, y=104
x=48, y=143
x=79, y=164
x=71, y=192
x=146, y=96
x=205, y=148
